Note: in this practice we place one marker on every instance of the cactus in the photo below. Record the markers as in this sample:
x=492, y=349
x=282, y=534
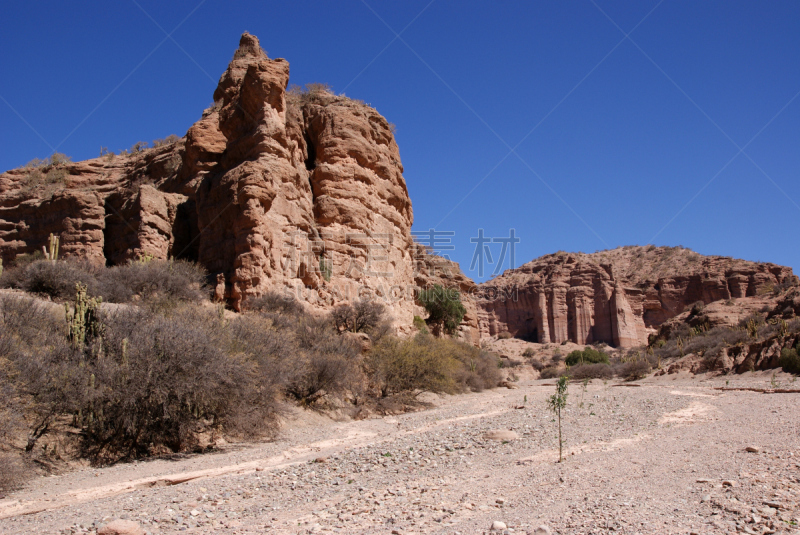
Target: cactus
x=144, y=258
x=51, y=251
x=83, y=323
x=752, y=328
x=325, y=268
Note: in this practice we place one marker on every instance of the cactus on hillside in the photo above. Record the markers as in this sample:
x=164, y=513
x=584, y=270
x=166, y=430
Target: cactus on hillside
x=82, y=321
x=51, y=251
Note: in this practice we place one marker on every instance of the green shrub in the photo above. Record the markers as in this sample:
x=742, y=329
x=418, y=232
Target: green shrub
x=587, y=356
x=444, y=307
x=790, y=360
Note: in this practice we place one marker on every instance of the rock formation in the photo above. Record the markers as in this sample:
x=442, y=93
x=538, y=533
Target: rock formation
x=303, y=192
x=618, y=297
x=296, y=191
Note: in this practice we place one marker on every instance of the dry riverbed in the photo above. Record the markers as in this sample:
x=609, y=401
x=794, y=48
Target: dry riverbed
x=667, y=455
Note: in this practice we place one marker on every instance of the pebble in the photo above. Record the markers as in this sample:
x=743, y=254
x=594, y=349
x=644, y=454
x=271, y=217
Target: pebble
x=542, y=530
x=498, y=526
x=752, y=449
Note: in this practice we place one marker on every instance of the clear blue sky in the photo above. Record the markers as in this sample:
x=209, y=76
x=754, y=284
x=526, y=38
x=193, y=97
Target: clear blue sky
x=616, y=141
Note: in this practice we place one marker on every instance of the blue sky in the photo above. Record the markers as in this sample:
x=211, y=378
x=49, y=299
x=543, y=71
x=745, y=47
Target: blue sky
x=616, y=140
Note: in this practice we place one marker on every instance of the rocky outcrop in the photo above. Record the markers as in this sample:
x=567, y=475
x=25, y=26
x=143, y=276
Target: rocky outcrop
x=618, y=297
x=294, y=191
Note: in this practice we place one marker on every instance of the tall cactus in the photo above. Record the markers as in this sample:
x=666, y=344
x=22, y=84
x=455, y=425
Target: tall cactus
x=51, y=251
x=83, y=323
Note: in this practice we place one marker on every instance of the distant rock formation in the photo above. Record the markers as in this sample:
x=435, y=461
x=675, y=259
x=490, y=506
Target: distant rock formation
x=618, y=297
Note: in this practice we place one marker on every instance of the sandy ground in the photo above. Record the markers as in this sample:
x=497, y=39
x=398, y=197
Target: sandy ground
x=667, y=456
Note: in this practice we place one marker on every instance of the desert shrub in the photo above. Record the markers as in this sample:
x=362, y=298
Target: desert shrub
x=444, y=307
x=419, y=325
x=528, y=353
x=557, y=356
x=551, y=372
x=154, y=380
x=170, y=280
x=591, y=371
x=427, y=363
x=54, y=279
x=587, y=356
x=169, y=140
x=176, y=280
x=790, y=360
x=329, y=366
x=537, y=365
x=12, y=423
x=312, y=93
x=324, y=363
x=274, y=302
x=409, y=365
x=633, y=370
x=47, y=172
x=479, y=369
x=505, y=335
x=363, y=315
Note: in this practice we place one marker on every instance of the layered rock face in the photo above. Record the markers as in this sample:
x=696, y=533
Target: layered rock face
x=268, y=190
x=618, y=297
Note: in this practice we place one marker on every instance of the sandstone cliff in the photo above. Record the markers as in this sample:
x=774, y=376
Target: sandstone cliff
x=301, y=191
x=618, y=296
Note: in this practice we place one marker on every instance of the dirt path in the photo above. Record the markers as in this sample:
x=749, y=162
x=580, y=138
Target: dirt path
x=666, y=457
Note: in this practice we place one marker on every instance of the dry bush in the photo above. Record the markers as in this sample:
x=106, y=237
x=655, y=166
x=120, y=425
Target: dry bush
x=427, y=363
x=325, y=363
x=414, y=364
x=538, y=365
x=169, y=140
x=505, y=335
x=176, y=280
x=551, y=372
x=331, y=366
x=362, y=316
x=633, y=371
x=312, y=93
x=591, y=371
x=172, y=280
x=54, y=279
x=155, y=381
x=274, y=303
x=152, y=382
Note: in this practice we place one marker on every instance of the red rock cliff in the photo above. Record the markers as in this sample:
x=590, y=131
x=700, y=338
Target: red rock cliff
x=268, y=190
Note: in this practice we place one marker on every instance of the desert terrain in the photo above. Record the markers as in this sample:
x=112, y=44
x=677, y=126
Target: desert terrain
x=664, y=455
